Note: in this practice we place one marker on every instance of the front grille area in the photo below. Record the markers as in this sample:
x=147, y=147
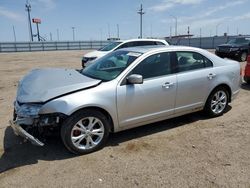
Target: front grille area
x=224, y=49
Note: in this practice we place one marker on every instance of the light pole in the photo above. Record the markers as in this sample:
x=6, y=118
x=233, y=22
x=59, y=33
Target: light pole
x=108, y=30
x=217, y=26
x=175, y=24
x=73, y=31
x=118, y=31
x=51, y=38
x=57, y=32
x=140, y=12
x=28, y=9
x=14, y=33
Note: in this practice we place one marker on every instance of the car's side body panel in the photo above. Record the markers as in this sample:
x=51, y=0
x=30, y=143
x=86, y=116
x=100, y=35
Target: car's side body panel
x=133, y=105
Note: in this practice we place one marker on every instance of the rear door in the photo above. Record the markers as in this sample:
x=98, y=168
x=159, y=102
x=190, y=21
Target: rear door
x=195, y=75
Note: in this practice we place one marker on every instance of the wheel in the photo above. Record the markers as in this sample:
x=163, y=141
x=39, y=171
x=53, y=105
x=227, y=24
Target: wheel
x=85, y=131
x=243, y=56
x=217, y=102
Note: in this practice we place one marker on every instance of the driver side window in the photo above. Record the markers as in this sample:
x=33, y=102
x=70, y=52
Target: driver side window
x=154, y=66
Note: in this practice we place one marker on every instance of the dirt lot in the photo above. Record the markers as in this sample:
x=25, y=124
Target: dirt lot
x=189, y=151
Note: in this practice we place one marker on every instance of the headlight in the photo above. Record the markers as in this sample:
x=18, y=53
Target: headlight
x=27, y=110
x=234, y=49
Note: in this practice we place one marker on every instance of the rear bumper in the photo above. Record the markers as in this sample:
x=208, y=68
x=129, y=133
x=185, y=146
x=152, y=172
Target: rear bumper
x=18, y=130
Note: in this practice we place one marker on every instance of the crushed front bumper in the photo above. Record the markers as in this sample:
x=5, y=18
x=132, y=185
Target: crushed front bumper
x=18, y=130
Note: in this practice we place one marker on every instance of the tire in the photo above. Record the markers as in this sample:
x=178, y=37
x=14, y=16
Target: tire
x=243, y=57
x=80, y=136
x=219, y=105
x=247, y=79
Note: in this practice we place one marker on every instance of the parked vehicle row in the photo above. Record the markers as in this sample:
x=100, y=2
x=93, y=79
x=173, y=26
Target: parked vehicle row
x=126, y=88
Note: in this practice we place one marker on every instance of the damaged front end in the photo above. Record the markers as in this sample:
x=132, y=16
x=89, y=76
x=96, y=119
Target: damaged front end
x=28, y=124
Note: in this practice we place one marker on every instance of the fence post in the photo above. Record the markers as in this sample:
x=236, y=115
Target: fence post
x=29, y=47
x=200, y=41
x=0, y=47
x=56, y=44
x=213, y=43
x=68, y=45
x=43, y=46
x=80, y=45
x=91, y=44
x=15, y=47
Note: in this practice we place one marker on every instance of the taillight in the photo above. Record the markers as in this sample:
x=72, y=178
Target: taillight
x=248, y=60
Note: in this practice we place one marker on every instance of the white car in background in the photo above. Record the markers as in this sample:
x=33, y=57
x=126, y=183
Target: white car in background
x=115, y=45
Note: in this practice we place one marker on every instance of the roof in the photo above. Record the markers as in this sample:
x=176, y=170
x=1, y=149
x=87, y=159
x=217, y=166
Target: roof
x=145, y=49
x=131, y=40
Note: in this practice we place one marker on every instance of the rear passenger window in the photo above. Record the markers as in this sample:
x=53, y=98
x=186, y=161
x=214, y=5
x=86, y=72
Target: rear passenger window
x=128, y=44
x=154, y=66
x=159, y=43
x=146, y=43
x=208, y=63
x=191, y=61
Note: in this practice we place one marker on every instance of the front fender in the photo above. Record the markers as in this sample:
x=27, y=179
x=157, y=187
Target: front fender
x=102, y=96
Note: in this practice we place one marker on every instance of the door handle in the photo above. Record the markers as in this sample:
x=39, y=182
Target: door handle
x=211, y=76
x=167, y=85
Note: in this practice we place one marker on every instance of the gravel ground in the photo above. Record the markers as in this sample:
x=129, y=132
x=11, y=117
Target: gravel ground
x=188, y=151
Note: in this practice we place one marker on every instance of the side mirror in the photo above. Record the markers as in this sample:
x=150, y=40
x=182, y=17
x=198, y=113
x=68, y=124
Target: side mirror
x=135, y=79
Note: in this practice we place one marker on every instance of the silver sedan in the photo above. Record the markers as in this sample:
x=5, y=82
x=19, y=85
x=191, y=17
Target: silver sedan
x=124, y=89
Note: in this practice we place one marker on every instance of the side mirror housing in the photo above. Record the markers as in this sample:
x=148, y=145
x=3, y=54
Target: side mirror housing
x=135, y=79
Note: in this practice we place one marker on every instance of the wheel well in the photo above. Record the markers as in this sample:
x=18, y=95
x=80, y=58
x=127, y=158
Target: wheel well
x=104, y=112
x=227, y=88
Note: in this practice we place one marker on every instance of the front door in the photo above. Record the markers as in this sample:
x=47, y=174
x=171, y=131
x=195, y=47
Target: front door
x=154, y=99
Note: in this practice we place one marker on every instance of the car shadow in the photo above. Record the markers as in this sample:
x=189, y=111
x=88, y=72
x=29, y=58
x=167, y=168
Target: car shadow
x=245, y=86
x=18, y=153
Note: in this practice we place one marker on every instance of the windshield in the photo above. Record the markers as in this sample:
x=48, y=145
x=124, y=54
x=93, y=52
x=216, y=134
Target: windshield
x=110, y=46
x=110, y=66
x=239, y=41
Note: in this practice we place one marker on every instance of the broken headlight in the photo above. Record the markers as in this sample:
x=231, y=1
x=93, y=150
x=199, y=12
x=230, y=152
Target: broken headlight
x=27, y=110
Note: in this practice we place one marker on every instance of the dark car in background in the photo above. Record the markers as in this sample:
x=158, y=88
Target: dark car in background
x=236, y=48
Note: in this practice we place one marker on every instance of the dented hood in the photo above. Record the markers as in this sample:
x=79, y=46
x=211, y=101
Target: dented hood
x=41, y=85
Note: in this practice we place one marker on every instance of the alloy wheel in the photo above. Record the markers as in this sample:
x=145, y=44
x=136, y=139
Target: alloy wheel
x=219, y=102
x=87, y=133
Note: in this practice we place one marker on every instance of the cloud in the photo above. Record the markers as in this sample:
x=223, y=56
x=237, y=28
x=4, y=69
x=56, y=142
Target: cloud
x=204, y=19
x=11, y=15
x=47, y=4
x=241, y=17
x=167, y=4
x=223, y=7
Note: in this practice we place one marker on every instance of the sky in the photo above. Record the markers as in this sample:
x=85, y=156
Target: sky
x=98, y=19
